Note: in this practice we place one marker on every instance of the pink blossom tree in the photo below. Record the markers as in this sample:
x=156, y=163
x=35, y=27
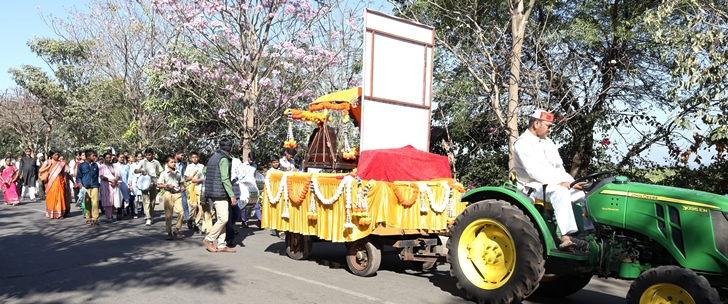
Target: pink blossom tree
x=239, y=64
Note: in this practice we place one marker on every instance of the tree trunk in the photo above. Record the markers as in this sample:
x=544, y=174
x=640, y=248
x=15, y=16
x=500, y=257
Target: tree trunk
x=519, y=19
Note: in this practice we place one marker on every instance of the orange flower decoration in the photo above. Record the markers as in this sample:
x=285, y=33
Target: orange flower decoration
x=331, y=106
x=457, y=186
x=351, y=154
x=365, y=221
x=291, y=143
x=312, y=216
x=305, y=115
x=450, y=221
x=406, y=201
x=297, y=199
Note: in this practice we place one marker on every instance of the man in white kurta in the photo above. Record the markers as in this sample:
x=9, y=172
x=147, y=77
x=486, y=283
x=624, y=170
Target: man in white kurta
x=537, y=163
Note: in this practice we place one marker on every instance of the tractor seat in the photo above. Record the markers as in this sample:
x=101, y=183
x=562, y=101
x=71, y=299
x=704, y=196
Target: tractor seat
x=546, y=205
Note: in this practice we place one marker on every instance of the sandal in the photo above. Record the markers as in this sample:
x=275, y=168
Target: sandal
x=567, y=246
x=178, y=235
x=209, y=245
x=574, y=243
x=169, y=236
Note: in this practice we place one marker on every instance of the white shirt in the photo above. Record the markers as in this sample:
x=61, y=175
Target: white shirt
x=286, y=165
x=190, y=171
x=537, y=162
x=244, y=175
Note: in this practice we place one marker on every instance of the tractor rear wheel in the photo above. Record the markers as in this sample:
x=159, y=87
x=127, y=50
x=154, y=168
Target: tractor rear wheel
x=562, y=286
x=495, y=253
x=671, y=284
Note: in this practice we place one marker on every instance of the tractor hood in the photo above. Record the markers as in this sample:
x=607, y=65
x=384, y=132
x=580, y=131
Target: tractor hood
x=687, y=197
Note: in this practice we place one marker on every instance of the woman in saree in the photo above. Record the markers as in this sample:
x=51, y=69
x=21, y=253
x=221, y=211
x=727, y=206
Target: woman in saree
x=7, y=184
x=55, y=186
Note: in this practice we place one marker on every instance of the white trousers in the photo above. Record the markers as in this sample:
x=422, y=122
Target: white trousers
x=30, y=190
x=562, y=198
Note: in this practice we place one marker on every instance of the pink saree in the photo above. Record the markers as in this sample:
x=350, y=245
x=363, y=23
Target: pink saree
x=10, y=192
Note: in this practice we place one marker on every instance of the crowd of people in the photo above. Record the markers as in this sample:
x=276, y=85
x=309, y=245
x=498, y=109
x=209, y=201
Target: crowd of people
x=209, y=198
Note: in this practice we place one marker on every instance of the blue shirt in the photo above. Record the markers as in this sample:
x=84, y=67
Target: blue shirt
x=88, y=175
x=124, y=172
x=179, y=167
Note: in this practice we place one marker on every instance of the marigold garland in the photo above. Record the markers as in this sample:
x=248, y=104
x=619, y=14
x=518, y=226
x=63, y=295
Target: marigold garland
x=318, y=118
x=297, y=199
x=406, y=201
x=312, y=216
x=331, y=106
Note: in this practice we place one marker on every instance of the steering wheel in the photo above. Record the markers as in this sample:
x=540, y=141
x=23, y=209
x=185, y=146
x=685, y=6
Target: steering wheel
x=592, y=176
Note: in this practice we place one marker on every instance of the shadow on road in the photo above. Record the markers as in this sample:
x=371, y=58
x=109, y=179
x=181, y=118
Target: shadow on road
x=66, y=255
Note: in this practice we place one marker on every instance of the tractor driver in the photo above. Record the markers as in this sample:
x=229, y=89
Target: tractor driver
x=537, y=163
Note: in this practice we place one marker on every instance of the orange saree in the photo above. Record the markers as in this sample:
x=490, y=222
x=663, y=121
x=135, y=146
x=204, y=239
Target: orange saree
x=55, y=190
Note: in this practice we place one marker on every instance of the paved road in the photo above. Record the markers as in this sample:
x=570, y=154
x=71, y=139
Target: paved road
x=64, y=261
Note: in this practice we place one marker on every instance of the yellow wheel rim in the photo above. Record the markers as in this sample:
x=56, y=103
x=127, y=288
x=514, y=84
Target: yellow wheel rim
x=487, y=254
x=666, y=293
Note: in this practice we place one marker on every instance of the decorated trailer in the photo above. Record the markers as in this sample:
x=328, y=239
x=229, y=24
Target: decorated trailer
x=387, y=192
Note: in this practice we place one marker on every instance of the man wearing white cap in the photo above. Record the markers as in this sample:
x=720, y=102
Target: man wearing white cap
x=537, y=163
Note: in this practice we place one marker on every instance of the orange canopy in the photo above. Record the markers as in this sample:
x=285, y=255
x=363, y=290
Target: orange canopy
x=350, y=96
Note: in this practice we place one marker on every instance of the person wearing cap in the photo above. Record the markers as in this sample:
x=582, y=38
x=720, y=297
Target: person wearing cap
x=537, y=163
x=219, y=190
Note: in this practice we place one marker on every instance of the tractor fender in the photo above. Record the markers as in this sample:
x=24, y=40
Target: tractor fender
x=518, y=200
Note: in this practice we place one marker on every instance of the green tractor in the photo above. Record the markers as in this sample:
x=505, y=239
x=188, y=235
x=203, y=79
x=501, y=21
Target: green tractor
x=672, y=242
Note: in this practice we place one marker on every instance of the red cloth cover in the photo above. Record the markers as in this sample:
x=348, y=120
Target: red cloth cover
x=403, y=164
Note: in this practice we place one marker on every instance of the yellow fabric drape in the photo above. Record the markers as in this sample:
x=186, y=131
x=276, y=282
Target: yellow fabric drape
x=385, y=210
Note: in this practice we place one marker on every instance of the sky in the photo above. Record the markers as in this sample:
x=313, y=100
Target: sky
x=21, y=21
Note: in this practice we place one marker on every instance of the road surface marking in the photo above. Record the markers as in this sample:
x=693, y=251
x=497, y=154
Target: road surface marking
x=344, y=290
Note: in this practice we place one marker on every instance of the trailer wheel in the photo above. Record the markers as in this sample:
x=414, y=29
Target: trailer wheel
x=363, y=257
x=495, y=253
x=671, y=284
x=298, y=246
x=562, y=286
x=424, y=266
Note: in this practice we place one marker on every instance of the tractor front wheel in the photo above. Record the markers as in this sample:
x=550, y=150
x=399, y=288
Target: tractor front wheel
x=495, y=253
x=671, y=284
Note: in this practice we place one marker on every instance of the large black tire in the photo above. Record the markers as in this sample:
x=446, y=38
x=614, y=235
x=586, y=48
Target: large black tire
x=562, y=286
x=363, y=257
x=671, y=284
x=510, y=263
x=298, y=246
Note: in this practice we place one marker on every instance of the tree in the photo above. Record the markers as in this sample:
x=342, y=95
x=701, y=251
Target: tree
x=21, y=116
x=242, y=62
x=691, y=36
x=478, y=57
x=120, y=37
